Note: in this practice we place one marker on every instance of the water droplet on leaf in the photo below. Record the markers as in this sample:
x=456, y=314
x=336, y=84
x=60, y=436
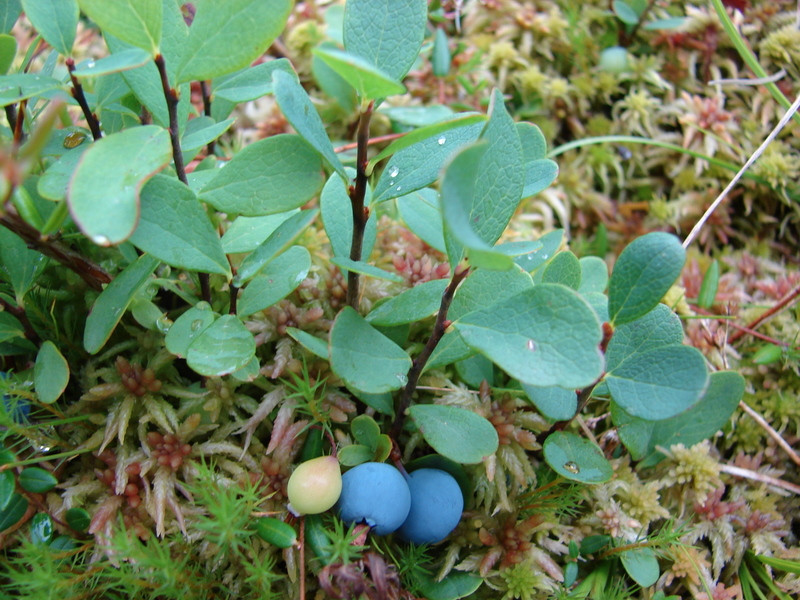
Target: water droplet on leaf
x=393, y=172
x=441, y=140
x=401, y=377
x=196, y=324
x=572, y=467
x=531, y=345
x=101, y=240
x=399, y=187
x=90, y=63
x=74, y=139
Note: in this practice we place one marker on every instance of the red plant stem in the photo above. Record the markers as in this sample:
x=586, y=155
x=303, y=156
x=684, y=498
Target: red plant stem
x=94, y=275
x=376, y=140
x=77, y=93
x=171, y=96
x=742, y=329
x=360, y=212
x=419, y=362
x=783, y=303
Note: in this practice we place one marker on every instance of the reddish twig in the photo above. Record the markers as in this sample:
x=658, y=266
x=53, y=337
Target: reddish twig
x=77, y=93
x=782, y=303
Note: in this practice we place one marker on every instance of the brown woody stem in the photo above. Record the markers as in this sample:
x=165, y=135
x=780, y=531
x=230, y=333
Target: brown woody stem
x=77, y=93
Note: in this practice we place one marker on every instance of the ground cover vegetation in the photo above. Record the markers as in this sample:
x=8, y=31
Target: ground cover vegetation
x=399, y=299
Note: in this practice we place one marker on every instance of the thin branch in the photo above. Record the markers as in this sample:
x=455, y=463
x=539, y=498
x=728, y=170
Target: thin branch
x=19, y=134
x=756, y=476
x=11, y=116
x=771, y=432
x=783, y=303
x=20, y=314
x=360, y=212
x=171, y=96
x=376, y=140
x=211, y=146
x=94, y=275
x=415, y=371
x=77, y=93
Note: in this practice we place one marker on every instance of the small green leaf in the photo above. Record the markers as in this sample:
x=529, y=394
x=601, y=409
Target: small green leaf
x=15, y=509
x=52, y=185
x=576, y=458
x=55, y=20
x=277, y=280
x=50, y=374
x=21, y=86
x=37, y=480
x=534, y=144
x=355, y=454
x=330, y=82
x=21, y=265
x=8, y=50
x=658, y=328
x=660, y=383
x=420, y=164
x=200, y=131
x=112, y=303
x=250, y=83
x=137, y=22
x=564, y=269
x=9, y=13
x=247, y=233
x=366, y=269
x=10, y=327
x=369, y=81
x=188, y=327
x=271, y=176
x=625, y=12
x=412, y=305
x=385, y=33
x=768, y=354
x=701, y=421
x=276, y=532
x=669, y=23
x=555, y=403
x=484, y=288
x=539, y=170
x=313, y=344
x=227, y=36
x=455, y=585
x=594, y=275
x=641, y=564
x=422, y=214
x=643, y=273
x=456, y=433
x=475, y=370
x=103, y=193
x=547, y=335
x=41, y=528
x=551, y=242
x=115, y=63
x=363, y=357
x=175, y=228
x=278, y=242
x=78, y=518
x=708, y=289
x=440, y=58
x=222, y=348
x=337, y=217
x=365, y=431
x=301, y=114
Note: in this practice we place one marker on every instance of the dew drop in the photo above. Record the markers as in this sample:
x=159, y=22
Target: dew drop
x=401, y=377
x=442, y=140
x=74, y=139
x=101, y=240
x=531, y=345
x=163, y=323
x=393, y=172
x=572, y=467
x=545, y=256
x=90, y=63
x=399, y=187
x=196, y=324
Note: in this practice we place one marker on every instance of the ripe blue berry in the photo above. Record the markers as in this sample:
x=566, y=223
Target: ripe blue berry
x=436, y=505
x=376, y=494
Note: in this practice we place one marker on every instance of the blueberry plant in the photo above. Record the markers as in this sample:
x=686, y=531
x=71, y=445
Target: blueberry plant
x=157, y=280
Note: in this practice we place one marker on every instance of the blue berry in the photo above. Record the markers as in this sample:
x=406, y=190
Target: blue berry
x=436, y=505
x=376, y=494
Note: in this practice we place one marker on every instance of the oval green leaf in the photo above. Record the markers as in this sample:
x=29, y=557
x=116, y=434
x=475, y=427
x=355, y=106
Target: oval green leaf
x=7, y=485
x=576, y=458
x=660, y=383
x=55, y=20
x=565, y=268
x=103, y=194
x=13, y=512
x=113, y=301
x=41, y=528
x=365, y=358
x=547, y=335
x=643, y=273
x=641, y=564
x=414, y=304
x=555, y=403
x=227, y=36
x=222, y=348
x=273, y=175
x=116, y=63
x=188, y=327
x=78, y=518
x=50, y=373
x=456, y=433
x=277, y=280
x=137, y=22
x=337, y=218
x=37, y=480
x=175, y=228
x=369, y=81
x=658, y=328
x=276, y=532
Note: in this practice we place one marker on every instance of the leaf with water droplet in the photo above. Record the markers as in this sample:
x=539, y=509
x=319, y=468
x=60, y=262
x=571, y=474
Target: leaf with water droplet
x=124, y=60
x=188, y=327
x=456, y=433
x=103, y=194
x=363, y=357
x=222, y=348
x=112, y=303
x=576, y=458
